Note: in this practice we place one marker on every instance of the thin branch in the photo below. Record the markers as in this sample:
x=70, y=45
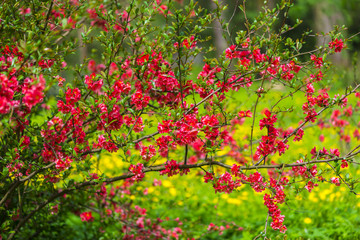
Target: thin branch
x=338, y=174
x=48, y=15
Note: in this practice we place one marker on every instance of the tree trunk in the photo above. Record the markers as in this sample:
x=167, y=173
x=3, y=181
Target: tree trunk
x=324, y=20
x=219, y=41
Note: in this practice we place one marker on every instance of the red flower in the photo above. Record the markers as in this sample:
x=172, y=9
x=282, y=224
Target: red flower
x=139, y=100
x=137, y=170
x=171, y=168
x=335, y=181
x=86, y=217
x=46, y=63
x=208, y=177
x=318, y=61
x=73, y=96
x=63, y=164
x=337, y=44
x=147, y=152
x=344, y=163
x=246, y=113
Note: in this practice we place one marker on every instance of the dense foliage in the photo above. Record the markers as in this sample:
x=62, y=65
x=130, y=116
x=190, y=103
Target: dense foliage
x=235, y=122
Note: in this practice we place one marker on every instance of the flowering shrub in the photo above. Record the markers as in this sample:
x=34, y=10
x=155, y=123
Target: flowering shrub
x=146, y=103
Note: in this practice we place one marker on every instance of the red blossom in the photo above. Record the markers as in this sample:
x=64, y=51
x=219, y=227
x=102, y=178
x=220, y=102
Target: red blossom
x=147, y=152
x=208, y=73
x=25, y=11
x=344, y=164
x=139, y=100
x=275, y=213
x=246, y=113
x=72, y=96
x=86, y=217
x=33, y=92
x=208, y=177
x=166, y=126
x=137, y=170
x=310, y=186
x=63, y=164
x=235, y=170
x=225, y=183
x=337, y=45
x=106, y=144
x=318, y=61
x=46, y=63
x=171, y=168
x=335, y=181
x=299, y=135
x=93, y=85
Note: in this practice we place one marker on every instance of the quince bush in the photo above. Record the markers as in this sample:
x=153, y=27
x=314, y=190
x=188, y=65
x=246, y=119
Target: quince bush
x=144, y=102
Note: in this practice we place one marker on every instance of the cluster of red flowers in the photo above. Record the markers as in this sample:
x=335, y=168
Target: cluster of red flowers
x=275, y=213
x=106, y=144
x=318, y=61
x=225, y=183
x=137, y=170
x=72, y=96
x=269, y=143
x=31, y=89
x=137, y=223
x=86, y=217
x=306, y=173
x=289, y=70
x=221, y=229
x=63, y=164
x=324, y=153
x=163, y=144
x=147, y=152
x=93, y=85
x=171, y=168
x=271, y=202
x=189, y=43
x=337, y=45
x=139, y=100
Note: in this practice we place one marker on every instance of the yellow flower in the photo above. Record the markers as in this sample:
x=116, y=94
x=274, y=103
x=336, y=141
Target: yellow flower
x=224, y=196
x=298, y=197
x=166, y=183
x=323, y=194
x=307, y=220
x=151, y=190
x=313, y=198
x=172, y=191
x=332, y=197
x=234, y=201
